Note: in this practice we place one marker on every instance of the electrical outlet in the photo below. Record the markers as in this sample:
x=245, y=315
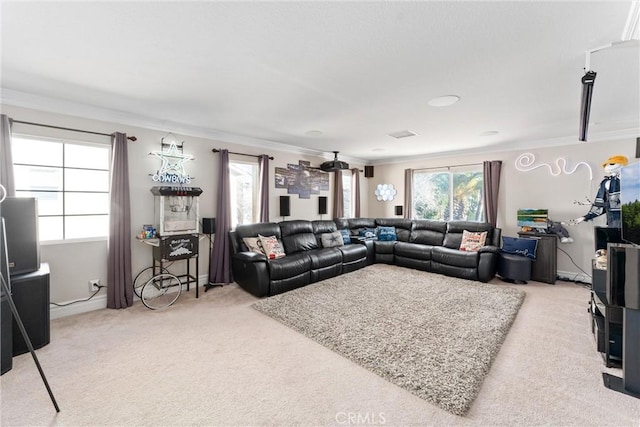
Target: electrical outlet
x=94, y=285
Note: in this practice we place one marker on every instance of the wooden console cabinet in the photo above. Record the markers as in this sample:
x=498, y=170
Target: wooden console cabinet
x=545, y=267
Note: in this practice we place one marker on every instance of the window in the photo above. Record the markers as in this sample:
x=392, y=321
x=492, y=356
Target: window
x=70, y=181
x=452, y=194
x=243, y=185
x=346, y=194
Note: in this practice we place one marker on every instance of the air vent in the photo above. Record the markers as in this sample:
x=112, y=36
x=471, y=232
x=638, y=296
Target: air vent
x=402, y=134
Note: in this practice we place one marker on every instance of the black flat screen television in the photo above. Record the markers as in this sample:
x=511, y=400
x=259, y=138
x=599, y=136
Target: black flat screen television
x=630, y=203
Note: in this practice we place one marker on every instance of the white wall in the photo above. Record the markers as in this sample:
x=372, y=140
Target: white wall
x=74, y=264
x=533, y=189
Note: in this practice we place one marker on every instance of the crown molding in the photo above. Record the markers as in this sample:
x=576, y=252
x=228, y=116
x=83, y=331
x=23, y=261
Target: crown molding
x=53, y=105
x=630, y=133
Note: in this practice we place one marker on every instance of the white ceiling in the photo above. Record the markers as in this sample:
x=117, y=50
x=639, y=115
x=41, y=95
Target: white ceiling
x=270, y=72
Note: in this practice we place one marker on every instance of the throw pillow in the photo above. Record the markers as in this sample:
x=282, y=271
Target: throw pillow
x=367, y=233
x=346, y=238
x=386, y=234
x=472, y=241
x=253, y=244
x=519, y=246
x=272, y=247
x=330, y=240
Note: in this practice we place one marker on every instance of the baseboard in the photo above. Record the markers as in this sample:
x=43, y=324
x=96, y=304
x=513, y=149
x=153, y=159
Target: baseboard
x=573, y=276
x=97, y=303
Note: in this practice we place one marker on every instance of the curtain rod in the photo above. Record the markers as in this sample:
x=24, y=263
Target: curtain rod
x=131, y=138
x=217, y=150
x=448, y=167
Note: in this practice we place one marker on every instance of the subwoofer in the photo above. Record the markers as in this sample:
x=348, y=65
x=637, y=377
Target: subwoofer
x=368, y=171
x=322, y=205
x=31, y=296
x=285, y=206
x=208, y=225
x=21, y=221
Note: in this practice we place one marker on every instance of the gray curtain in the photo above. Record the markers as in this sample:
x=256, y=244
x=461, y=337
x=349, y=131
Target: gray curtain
x=6, y=158
x=263, y=192
x=119, y=282
x=355, y=173
x=408, y=193
x=220, y=263
x=491, y=186
x=338, y=202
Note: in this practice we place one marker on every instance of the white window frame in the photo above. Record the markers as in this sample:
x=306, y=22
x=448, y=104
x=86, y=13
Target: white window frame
x=347, y=181
x=451, y=171
x=254, y=190
x=16, y=137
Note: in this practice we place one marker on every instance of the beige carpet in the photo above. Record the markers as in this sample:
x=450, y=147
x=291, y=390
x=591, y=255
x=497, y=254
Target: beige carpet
x=217, y=361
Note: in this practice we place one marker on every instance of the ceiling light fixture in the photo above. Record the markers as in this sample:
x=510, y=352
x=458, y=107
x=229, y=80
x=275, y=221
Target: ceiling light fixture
x=489, y=133
x=444, y=101
x=402, y=134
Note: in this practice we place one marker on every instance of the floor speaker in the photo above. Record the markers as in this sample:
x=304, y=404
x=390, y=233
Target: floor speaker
x=208, y=225
x=21, y=221
x=285, y=206
x=322, y=205
x=368, y=171
x=31, y=296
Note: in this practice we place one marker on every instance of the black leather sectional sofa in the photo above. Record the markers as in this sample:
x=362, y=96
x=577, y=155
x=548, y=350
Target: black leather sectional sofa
x=421, y=244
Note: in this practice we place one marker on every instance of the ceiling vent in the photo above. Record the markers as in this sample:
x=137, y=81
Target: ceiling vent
x=334, y=165
x=402, y=134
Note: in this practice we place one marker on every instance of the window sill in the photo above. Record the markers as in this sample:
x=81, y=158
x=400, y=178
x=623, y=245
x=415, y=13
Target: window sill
x=71, y=241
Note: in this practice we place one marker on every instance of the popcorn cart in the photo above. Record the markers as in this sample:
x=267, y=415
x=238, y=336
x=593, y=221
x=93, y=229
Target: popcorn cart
x=176, y=214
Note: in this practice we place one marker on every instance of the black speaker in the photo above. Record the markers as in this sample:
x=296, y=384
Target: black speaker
x=399, y=210
x=368, y=171
x=322, y=205
x=285, y=207
x=638, y=148
x=31, y=297
x=208, y=225
x=21, y=221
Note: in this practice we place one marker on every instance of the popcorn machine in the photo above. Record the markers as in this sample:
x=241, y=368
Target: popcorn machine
x=176, y=209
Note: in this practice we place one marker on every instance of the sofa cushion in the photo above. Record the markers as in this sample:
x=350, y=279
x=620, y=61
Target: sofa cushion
x=453, y=237
x=386, y=234
x=353, y=252
x=367, y=233
x=289, y=266
x=454, y=257
x=346, y=238
x=413, y=250
x=321, y=227
x=331, y=240
x=472, y=241
x=321, y=258
x=252, y=230
x=519, y=246
x=271, y=247
x=357, y=224
x=402, y=225
x=253, y=244
x=298, y=236
x=383, y=247
x=428, y=232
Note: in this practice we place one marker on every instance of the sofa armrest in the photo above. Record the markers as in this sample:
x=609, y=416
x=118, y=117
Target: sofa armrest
x=250, y=270
x=250, y=256
x=490, y=249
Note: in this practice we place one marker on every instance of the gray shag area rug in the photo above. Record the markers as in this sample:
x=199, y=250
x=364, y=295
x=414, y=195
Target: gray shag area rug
x=433, y=335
